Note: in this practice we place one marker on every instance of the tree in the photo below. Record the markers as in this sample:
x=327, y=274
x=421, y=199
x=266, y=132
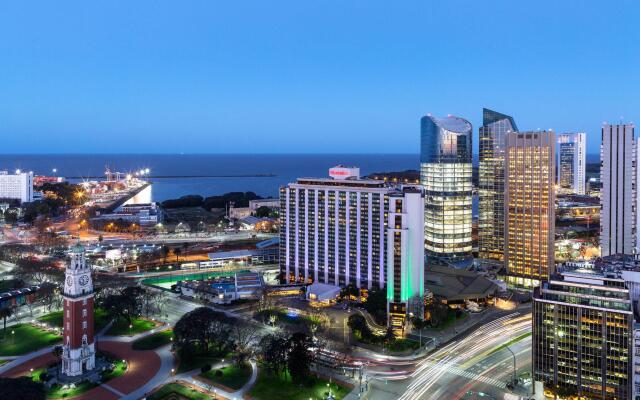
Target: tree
x=57, y=353
x=242, y=337
x=177, y=252
x=22, y=388
x=201, y=328
x=273, y=352
x=165, y=252
x=376, y=305
x=300, y=356
x=263, y=212
x=5, y=313
x=31, y=269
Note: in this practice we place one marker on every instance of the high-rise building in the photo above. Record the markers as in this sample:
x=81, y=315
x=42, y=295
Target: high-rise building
x=493, y=134
x=618, y=194
x=529, y=207
x=583, y=336
x=446, y=174
x=572, y=158
x=78, y=348
x=405, y=256
x=334, y=230
x=18, y=186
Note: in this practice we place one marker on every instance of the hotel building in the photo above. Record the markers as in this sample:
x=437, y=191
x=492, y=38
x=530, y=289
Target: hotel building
x=583, y=336
x=493, y=134
x=405, y=256
x=572, y=160
x=345, y=230
x=445, y=173
x=529, y=207
x=618, y=193
x=18, y=186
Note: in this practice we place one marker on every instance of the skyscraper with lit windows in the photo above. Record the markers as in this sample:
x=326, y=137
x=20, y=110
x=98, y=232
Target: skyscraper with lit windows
x=572, y=160
x=529, y=207
x=492, y=143
x=446, y=174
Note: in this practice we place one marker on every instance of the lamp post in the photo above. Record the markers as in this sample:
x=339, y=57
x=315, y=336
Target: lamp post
x=514, y=364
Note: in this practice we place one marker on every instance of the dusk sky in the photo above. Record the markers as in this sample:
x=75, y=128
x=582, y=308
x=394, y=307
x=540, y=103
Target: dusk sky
x=305, y=76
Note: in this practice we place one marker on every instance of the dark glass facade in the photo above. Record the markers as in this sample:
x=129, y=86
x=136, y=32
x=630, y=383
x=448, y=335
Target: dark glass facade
x=492, y=144
x=446, y=174
x=583, y=337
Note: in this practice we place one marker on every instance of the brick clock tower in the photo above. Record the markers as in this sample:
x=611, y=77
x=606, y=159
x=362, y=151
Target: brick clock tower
x=79, y=353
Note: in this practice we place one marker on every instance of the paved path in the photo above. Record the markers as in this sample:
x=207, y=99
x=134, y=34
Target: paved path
x=238, y=394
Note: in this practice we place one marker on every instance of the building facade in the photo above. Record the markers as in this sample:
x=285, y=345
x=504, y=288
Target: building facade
x=583, y=336
x=446, y=175
x=335, y=231
x=572, y=163
x=493, y=137
x=18, y=186
x=529, y=207
x=78, y=349
x=618, y=194
x=405, y=256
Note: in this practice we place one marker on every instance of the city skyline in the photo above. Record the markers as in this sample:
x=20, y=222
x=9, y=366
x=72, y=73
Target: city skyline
x=209, y=72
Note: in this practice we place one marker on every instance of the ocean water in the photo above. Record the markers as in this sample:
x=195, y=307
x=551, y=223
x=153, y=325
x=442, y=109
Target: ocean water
x=285, y=168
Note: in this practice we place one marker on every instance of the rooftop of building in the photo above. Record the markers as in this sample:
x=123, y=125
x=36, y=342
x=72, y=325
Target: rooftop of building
x=458, y=284
x=451, y=123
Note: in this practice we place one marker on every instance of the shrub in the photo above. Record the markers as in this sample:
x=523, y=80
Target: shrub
x=219, y=373
x=206, y=368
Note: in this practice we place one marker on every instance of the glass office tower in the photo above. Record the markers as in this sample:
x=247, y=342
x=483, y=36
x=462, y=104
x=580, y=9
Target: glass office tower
x=445, y=173
x=529, y=207
x=572, y=162
x=493, y=131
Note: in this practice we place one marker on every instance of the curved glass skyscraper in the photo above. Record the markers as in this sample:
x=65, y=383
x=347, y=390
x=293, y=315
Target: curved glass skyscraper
x=445, y=173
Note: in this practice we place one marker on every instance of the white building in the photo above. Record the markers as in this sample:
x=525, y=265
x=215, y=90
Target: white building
x=618, y=196
x=334, y=230
x=405, y=255
x=17, y=186
x=572, y=162
x=270, y=203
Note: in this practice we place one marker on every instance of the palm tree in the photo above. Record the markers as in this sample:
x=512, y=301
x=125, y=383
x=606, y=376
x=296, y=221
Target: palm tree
x=185, y=247
x=5, y=313
x=165, y=252
x=177, y=252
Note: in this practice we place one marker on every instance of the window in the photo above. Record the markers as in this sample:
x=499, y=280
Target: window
x=84, y=301
x=84, y=312
x=84, y=324
x=68, y=326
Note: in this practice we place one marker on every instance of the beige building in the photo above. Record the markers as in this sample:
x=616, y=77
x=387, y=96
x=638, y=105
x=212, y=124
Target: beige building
x=529, y=207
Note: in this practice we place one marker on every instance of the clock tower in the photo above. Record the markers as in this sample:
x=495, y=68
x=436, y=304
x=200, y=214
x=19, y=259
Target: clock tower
x=78, y=354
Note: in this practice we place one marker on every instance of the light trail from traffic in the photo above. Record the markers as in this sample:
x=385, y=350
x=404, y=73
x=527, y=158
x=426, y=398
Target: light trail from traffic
x=453, y=358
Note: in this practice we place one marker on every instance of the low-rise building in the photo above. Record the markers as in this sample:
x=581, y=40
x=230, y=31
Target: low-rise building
x=269, y=203
x=17, y=186
x=142, y=214
x=224, y=290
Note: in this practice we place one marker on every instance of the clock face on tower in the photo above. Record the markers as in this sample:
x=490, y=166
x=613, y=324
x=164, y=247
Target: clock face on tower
x=83, y=280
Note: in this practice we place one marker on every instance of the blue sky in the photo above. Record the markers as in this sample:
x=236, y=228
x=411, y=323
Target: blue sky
x=305, y=76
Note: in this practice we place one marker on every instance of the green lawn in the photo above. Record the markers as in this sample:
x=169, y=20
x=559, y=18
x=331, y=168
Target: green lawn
x=176, y=390
x=402, y=344
x=138, y=325
x=25, y=339
x=271, y=387
x=120, y=368
x=509, y=343
x=57, y=391
x=195, y=362
x=100, y=319
x=153, y=341
x=233, y=377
